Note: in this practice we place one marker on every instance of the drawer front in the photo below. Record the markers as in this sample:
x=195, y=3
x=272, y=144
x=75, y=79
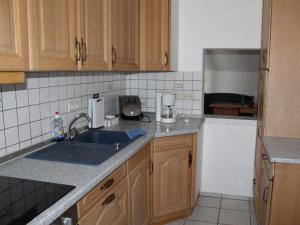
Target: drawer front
x=134, y=161
x=174, y=142
x=111, y=209
x=86, y=203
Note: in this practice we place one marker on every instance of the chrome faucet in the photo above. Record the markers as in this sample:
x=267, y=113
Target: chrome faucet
x=73, y=132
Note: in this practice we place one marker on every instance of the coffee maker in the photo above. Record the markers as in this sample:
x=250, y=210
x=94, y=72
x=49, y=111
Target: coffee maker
x=165, y=107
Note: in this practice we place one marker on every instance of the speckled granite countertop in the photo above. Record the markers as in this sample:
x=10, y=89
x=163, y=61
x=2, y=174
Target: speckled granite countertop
x=282, y=150
x=84, y=177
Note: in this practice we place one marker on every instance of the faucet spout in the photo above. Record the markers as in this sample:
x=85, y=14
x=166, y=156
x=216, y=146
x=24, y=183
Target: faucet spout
x=72, y=134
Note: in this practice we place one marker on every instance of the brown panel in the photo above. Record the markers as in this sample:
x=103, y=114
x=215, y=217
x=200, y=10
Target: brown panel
x=286, y=195
x=12, y=77
x=94, y=22
x=139, y=191
x=13, y=36
x=86, y=203
x=284, y=79
x=171, y=182
x=173, y=142
x=111, y=209
x=154, y=35
x=126, y=38
x=52, y=29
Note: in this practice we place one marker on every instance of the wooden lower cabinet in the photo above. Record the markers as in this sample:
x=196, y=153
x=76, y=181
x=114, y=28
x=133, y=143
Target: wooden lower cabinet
x=276, y=191
x=171, y=182
x=112, y=209
x=173, y=186
x=140, y=188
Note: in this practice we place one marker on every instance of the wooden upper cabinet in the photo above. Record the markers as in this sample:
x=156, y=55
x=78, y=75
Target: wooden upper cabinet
x=52, y=32
x=266, y=32
x=13, y=35
x=94, y=34
x=171, y=182
x=284, y=73
x=154, y=35
x=125, y=35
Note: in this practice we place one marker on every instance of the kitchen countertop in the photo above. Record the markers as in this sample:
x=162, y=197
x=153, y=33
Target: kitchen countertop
x=84, y=177
x=282, y=150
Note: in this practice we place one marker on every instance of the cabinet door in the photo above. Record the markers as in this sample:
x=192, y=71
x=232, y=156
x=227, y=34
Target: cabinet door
x=126, y=38
x=266, y=32
x=94, y=32
x=171, y=182
x=52, y=29
x=139, y=193
x=13, y=35
x=154, y=35
x=111, y=209
x=284, y=80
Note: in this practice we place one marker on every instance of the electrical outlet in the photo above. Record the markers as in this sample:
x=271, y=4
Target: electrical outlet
x=188, y=96
x=76, y=106
x=73, y=106
x=70, y=106
x=180, y=96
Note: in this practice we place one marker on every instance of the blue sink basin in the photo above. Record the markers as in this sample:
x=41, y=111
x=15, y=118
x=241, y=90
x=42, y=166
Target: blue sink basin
x=104, y=137
x=89, y=148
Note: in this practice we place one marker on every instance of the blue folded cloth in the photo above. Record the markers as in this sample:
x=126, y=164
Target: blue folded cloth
x=134, y=133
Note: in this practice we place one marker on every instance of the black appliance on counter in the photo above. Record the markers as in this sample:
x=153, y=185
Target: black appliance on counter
x=130, y=107
x=22, y=200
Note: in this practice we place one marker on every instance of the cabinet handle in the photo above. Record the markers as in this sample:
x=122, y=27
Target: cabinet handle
x=264, y=156
x=150, y=167
x=114, y=55
x=77, y=51
x=264, y=55
x=259, y=131
x=254, y=181
x=265, y=194
x=109, y=199
x=190, y=159
x=84, y=52
x=166, y=58
x=108, y=184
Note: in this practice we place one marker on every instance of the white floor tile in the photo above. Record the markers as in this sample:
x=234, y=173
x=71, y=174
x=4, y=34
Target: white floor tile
x=233, y=204
x=205, y=214
x=234, y=217
x=210, y=194
x=235, y=197
x=209, y=202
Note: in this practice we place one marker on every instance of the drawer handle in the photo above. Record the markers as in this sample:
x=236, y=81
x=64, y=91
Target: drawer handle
x=265, y=196
x=264, y=156
x=109, y=199
x=108, y=184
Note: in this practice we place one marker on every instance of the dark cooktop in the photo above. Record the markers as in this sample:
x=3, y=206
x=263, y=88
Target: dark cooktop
x=22, y=200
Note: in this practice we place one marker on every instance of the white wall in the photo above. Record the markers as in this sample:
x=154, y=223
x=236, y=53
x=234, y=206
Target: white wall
x=199, y=24
x=231, y=82
x=228, y=156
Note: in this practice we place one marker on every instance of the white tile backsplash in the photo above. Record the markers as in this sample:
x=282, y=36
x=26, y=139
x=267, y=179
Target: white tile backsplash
x=9, y=99
x=187, y=86
x=26, y=110
x=10, y=118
